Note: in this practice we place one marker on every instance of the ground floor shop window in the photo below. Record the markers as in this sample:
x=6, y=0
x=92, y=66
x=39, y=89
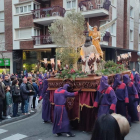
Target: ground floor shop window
x=33, y=60
x=4, y=65
x=4, y=70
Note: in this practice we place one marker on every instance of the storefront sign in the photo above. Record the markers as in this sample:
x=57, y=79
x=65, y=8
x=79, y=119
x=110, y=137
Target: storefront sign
x=5, y=62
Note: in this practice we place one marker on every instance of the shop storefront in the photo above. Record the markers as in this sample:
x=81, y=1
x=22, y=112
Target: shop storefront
x=32, y=60
x=5, y=65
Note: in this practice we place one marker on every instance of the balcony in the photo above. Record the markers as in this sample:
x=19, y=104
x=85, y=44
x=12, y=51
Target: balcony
x=43, y=42
x=94, y=9
x=46, y=41
x=46, y=16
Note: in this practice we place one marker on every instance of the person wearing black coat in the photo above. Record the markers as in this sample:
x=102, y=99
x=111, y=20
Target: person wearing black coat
x=6, y=82
x=21, y=75
x=2, y=97
x=35, y=86
x=16, y=97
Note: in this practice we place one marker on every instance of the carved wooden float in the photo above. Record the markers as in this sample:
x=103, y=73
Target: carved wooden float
x=88, y=84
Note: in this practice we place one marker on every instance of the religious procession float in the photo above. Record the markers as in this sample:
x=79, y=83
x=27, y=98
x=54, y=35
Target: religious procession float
x=79, y=61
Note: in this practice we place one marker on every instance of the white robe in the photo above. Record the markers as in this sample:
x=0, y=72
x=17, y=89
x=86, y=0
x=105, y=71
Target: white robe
x=85, y=53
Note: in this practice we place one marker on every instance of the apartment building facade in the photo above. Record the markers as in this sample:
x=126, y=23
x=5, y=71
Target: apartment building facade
x=6, y=59
x=26, y=25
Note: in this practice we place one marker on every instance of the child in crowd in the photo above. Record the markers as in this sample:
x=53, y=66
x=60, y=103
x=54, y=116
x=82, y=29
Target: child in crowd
x=9, y=102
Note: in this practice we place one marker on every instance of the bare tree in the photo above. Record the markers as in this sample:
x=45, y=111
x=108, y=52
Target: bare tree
x=67, y=33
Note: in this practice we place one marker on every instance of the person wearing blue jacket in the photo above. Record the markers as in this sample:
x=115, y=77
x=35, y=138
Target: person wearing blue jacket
x=24, y=95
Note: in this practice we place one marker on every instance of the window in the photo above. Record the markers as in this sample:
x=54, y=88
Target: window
x=36, y=32
x=71, y=4
x=114, y=2
x=131, y=12
x=2, y=37
x=17, y=10
x=23, y=33
x=23, y=9
x=112, y=30
x=131, y=35
x=29, y=7
x=68, y=4
x=38, y=6
x=1, y=15
x=37, y=39
x=102, y=22
x=2, y=41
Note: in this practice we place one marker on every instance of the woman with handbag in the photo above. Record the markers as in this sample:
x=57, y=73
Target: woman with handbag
x=16, y=97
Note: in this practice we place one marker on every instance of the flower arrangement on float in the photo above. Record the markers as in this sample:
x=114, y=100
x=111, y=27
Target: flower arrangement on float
x=70, y=74
x=111, y=68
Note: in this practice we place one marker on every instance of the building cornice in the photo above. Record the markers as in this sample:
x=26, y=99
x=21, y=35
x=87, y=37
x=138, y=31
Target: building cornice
x=26, y=2
x=23, y=14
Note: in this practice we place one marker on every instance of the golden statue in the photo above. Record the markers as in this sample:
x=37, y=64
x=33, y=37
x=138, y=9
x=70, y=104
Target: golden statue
x=96, y=35
x=96, y=38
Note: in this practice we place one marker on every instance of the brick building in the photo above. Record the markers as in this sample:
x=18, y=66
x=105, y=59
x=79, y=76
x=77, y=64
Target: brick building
x=5, y=40
x=26, y=27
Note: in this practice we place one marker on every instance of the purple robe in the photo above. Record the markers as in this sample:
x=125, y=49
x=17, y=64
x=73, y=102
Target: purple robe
x=105, y=99
x=46, y=106
x=137, y=84
x=40, y=76
x=122, y=96
x=61, y=120
x=45, y=75
x=133, y=98
x=40, y=87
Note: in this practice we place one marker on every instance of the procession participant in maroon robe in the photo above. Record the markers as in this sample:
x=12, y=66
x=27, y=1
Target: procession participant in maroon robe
x=61, y=120
x=105, y=99
x=122, y=95
x=133, y=98
x=46, y=106
x=137, y=84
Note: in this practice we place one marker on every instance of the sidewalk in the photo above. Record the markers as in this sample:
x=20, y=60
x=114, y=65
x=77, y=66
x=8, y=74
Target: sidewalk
x=13, y=119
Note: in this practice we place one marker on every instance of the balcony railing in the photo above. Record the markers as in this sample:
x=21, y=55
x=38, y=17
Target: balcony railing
x=48, y=12
x=41, y=40
x=45, y=39
x=95, y=4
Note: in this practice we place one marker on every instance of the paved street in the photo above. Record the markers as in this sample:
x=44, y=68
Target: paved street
x=33, y=129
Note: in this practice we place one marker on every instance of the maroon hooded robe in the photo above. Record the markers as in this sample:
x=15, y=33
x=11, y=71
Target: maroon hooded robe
x=61, y=120
x=106, y=99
